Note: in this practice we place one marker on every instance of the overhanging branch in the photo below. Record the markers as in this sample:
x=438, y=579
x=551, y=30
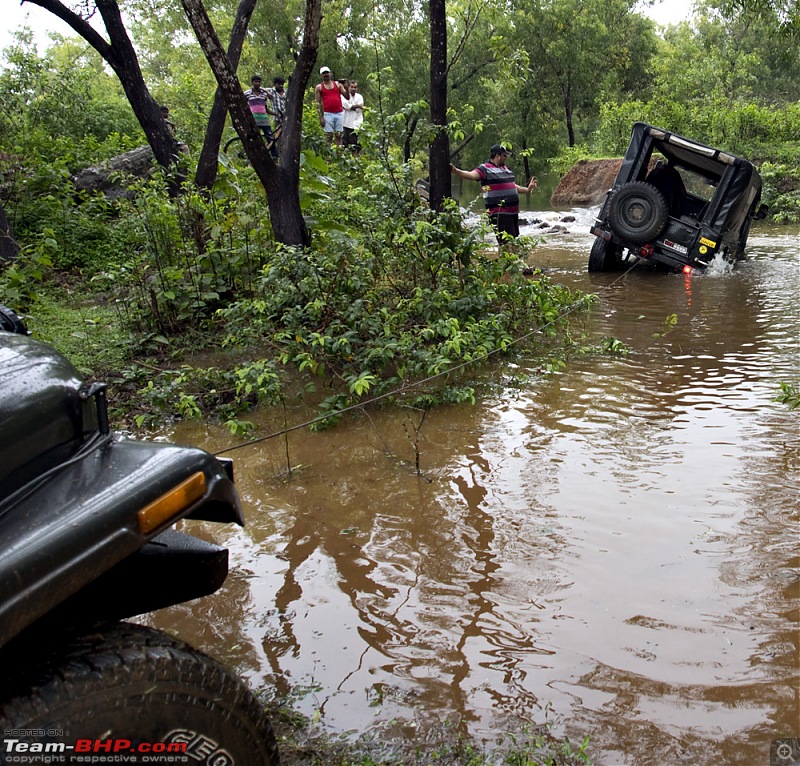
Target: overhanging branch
x=79, y=25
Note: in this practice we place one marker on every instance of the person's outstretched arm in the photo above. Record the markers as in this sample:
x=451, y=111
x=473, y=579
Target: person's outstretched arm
x=470, y=175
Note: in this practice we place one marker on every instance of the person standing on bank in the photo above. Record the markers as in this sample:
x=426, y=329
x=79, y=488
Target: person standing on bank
x=500, y=191
x=182, y=147
x=328, y=96
x=165, y=116
x=257, y=101
x=276, y=106
x=353, y=116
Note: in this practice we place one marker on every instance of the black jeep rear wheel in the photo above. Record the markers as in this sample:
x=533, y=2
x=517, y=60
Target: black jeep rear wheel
x=604, y=256
x=637, y=212
x=145, y=693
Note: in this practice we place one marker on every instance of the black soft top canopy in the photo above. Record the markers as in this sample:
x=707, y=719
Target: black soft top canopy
x=737, y=180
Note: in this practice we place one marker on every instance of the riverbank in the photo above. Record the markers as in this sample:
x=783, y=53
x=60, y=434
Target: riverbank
x=304, y=743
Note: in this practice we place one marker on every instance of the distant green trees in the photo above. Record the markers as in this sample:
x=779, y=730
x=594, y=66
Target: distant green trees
x=731, y=79
x=62, y=105
x=539, y=74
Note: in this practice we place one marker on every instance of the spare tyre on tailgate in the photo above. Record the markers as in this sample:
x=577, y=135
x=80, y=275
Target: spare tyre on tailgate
x=637, y=212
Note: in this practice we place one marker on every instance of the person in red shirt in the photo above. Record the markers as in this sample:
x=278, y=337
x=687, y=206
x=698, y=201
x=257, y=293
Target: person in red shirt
x=500, y=191
x=328, y=97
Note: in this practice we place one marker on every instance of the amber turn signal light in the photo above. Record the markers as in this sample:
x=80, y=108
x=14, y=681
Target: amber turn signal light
x=171, y=503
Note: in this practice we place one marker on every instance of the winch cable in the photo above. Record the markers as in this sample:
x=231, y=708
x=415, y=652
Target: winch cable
x=416, y=384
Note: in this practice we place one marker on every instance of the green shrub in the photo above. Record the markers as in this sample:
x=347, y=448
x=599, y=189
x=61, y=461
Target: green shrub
x=413, y=300
x=781, y=191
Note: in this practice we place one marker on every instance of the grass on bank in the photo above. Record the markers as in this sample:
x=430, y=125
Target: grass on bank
x=303, y=742
x=85, y=331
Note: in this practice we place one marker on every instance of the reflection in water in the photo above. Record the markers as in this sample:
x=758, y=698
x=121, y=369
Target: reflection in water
x=617, y=541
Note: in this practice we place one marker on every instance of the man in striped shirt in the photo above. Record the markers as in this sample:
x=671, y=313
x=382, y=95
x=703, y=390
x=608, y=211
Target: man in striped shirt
x=500, y=191
x=277, y=105
x=257, y=101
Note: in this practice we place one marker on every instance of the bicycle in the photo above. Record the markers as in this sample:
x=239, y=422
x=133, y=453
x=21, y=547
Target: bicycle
x=239, y=151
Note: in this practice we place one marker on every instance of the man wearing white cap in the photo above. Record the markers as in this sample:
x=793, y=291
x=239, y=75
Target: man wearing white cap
x=328, y=97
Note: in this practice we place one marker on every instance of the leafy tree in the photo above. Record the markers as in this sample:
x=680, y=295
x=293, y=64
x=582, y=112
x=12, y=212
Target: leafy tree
x=118, y=52
x=787, y=12
x=44, y=139
x=90, y=107
x=582, y=49
x=748, y=56
x=281, y=182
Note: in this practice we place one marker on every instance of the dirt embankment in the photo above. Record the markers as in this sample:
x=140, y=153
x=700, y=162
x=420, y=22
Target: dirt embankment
x=586, y=183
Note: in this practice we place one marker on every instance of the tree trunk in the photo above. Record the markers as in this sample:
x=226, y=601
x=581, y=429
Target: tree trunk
x=105, y=176
x=524, y=144
x=281, y=183
x=207, y=164
x=463, y=144
x=411, y=127
x=9, y=249
x=567, y=92
x=125, y=64
x=439, y=156
x=283, y=195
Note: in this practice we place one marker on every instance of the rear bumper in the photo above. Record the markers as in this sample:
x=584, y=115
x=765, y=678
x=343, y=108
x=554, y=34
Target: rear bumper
x=680, y=244
x=82, y=522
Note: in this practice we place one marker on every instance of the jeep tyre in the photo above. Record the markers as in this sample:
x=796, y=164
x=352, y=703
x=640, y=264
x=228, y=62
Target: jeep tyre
x=132, y=684
x=637, y=212
x=604, y=256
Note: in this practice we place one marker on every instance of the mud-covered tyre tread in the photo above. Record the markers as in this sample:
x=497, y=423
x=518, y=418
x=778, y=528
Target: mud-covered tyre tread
x=622, y=205
x=133, y=682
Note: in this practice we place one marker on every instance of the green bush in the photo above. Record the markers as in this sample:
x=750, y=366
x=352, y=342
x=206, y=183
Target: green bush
x=416, y=298
x=782, y=191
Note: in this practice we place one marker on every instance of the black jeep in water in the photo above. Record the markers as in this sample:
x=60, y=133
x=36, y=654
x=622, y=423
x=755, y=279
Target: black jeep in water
x=677, y=203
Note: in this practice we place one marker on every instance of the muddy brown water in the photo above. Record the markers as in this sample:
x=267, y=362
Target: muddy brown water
x=613, y=548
